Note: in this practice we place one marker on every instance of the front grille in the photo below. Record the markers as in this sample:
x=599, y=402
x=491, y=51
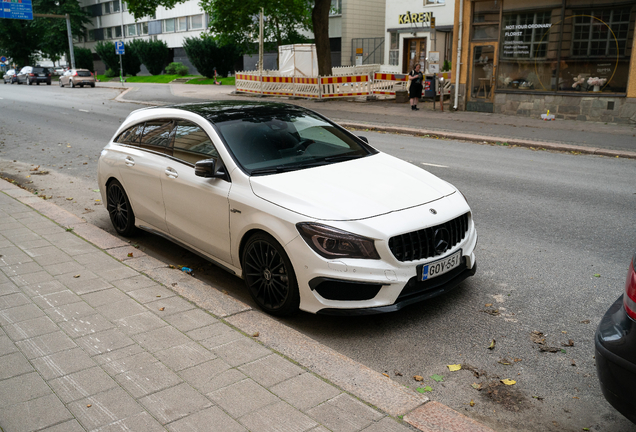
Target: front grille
x=425, y=243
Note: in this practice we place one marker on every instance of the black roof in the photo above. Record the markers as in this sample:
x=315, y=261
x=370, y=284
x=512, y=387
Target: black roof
x=224, y=111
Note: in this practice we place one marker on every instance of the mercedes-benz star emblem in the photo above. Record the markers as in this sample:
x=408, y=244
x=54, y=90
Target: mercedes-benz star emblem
x=433, y=211
x=441, y=240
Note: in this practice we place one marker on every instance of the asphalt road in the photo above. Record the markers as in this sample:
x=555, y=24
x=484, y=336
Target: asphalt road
x=555, y=237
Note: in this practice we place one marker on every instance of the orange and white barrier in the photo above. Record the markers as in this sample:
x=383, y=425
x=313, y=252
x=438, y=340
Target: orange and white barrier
x=344, y=86
x=388, y=84
x=249, y=83
x=278, y=85
x=306, y=87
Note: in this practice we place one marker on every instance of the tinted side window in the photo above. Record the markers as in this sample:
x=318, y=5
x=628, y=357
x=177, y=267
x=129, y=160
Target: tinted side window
x=156, y=134
x=131, y=135
x=191, y=143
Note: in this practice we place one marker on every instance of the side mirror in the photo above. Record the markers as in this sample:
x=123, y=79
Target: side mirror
x=208, y=168
x=364, y=139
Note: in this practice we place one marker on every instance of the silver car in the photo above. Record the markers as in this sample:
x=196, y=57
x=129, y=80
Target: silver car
x=77, y=77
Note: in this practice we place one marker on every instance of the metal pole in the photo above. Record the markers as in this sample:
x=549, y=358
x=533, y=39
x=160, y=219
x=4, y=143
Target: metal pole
x=260, y=50
x=121, y=71
x=70, y=40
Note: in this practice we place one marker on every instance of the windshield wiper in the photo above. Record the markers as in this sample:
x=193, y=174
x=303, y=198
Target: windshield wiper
x=286, y=168
x=343, y=157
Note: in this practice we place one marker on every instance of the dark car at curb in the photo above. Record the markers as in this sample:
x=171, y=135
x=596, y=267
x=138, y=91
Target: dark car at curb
x=615, y=343
x=34, y=74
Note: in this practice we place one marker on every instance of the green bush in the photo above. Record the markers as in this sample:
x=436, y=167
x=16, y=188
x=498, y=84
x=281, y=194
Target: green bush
x=106, y=52
x=171, y=69
x=153, y=54
x=130, y=60
x=182, y=70
x=206, y=54
x=83, y=58
x=110, y=73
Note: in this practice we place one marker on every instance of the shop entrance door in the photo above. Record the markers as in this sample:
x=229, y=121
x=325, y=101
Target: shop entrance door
x=414, y=53
x=482, y=77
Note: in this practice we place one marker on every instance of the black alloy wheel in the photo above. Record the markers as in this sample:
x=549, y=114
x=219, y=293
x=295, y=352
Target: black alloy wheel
x=119, y=209
x=269, y=276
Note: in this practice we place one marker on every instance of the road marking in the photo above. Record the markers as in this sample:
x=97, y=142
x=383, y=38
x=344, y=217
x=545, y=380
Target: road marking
x=434, y=165
x=84, y=110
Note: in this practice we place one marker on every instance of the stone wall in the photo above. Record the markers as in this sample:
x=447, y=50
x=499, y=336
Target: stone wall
x=586, y=108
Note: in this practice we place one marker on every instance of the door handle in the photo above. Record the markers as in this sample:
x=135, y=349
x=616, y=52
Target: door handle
x=129, y=161
x=171, y=173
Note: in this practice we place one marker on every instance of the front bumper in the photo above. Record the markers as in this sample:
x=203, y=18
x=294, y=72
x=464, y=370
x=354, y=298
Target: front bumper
x=615, y=346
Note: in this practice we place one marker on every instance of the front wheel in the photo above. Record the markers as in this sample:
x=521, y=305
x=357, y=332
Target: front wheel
x=72, y=84
x=269, y=276
x=29, y=82
x=120, y=210
x=61, y=85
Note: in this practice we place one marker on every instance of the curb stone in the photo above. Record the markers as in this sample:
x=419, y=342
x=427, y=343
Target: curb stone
x=359, y=380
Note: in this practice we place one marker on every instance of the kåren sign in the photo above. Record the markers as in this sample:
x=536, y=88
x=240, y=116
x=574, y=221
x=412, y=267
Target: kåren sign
x=414, y=18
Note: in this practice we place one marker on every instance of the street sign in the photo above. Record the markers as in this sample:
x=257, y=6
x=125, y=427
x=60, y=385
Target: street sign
x=3, y=59
x=119, y=48
x=16, y=9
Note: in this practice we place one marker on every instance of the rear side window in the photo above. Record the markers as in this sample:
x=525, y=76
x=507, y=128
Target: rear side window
x=156, y=133
x=131, y=135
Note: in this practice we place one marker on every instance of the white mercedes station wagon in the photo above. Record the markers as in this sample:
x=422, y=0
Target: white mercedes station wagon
x=309, y=215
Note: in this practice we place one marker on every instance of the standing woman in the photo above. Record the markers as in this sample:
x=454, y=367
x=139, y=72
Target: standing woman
x=415, y=90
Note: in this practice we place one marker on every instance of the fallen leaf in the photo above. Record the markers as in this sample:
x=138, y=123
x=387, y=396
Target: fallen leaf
x=569, y=344
x=488, y=304
x=472, y=403
x=171, y=266
x=563, y=351
x=257, y=334
x=76, y=276
x=88, y=406
x=437, y=378
x=386, y=375
x=476, y=386
x=424, y=389
x=162, y=308
x=585, y=322
x=572, y=362
x=508, y=381
x=418, y=378
x=224, y=291
x=504, y=361
x=69, y=199
x=398, y=373
x=492, y=345
x=597, y=275
x=575, y=397
x=549, y=349
x=455, y=367
x=537, y=337
x=538, y=397
x=130, y=255
x=158, y=296
x=98, y=200
x=517, y=360
x=493, y=312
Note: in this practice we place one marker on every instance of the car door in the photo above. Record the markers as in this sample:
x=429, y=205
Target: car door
x=141, y=164
x=197, y=208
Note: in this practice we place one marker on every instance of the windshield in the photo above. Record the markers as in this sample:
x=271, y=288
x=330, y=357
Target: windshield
x=287, y=141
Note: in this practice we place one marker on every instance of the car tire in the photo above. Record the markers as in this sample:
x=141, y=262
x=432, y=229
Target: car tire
x=60, y=82
x=119, y=209
x=93, y=85
x=81, y=85
x=28, y=81
x=37, y=83
x=48, y=83
x=72, y=83
x=269, y=276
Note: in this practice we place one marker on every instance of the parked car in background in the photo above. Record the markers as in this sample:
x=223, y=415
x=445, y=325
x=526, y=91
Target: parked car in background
x=10, y=77
x=59, y=70
x=77, y=77
x=615, y=342
x=34, y=74
x=309, y=215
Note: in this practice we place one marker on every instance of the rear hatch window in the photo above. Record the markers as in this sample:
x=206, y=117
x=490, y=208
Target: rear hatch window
x=39, y=70
x=83, y=73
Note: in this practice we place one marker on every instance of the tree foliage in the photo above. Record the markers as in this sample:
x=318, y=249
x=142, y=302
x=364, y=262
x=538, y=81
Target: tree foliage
x=24, y=40
x=84, y=58
x=236, y=21
x=153, y=54
x=106, y=52
x=206, y=54
x=131, y=60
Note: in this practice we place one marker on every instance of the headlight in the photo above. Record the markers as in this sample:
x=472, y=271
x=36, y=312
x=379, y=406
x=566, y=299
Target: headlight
x=333, y=243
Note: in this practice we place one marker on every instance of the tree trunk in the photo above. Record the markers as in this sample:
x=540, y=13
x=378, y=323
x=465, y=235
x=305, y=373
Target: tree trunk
x=320, y=21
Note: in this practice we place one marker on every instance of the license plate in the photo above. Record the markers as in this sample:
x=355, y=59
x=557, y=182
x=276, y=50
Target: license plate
x=41, y=75
x=442, y=266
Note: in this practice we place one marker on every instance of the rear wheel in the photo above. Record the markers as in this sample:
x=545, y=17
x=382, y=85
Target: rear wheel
x=269, y=276
x=93, y=85
x=119, y=209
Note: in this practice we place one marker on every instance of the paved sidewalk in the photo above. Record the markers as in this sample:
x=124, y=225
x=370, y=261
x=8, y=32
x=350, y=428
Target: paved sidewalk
x=95, y=336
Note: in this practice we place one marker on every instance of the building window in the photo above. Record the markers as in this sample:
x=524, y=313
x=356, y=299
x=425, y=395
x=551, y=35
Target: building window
x=196, y=22
x=168, y=25
x=117, y=31
x=336, y=7
x=106, y=7
x=486, y=20
x=109, y=33
x=592, y=36
x=432, y=2
x=91, y=35
x=124, y=6
x=115, y=6
x=532, y=38
x=131, y=30
x=182, y=23
x=394, y=49
x=143, y=28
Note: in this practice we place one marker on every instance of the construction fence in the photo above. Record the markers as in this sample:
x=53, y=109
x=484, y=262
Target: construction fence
x=371, y=83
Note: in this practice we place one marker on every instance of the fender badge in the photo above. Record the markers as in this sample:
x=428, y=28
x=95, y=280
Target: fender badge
x=433, y=211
